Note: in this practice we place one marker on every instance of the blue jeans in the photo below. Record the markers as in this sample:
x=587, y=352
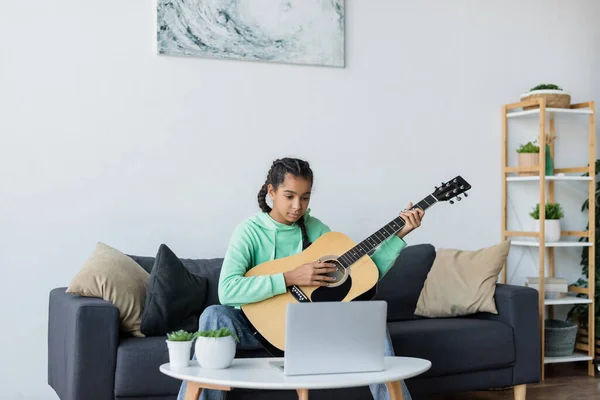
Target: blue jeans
x=218, y=316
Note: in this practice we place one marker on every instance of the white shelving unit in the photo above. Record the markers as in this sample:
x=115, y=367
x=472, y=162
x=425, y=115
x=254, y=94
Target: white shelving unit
x=535, y=239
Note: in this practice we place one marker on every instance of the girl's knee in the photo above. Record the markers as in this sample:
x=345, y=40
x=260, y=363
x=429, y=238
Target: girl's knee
x=214, y=315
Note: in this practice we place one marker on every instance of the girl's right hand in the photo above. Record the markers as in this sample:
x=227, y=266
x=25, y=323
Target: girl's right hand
x=310, y=274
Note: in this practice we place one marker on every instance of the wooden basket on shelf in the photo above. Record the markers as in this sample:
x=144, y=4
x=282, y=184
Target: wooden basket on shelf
x=554, y=98
x=528, y=160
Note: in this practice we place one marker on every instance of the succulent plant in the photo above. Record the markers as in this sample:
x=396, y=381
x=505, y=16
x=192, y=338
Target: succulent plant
x=217, y=333
x=181, y=336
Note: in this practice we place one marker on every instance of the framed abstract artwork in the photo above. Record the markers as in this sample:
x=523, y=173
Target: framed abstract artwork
x=285, y=31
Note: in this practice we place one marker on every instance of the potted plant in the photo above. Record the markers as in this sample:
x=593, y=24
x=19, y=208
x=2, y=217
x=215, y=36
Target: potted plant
x=554, y=95
x=180, y=348
x=554, y=213
x=215, y=349
x=529, y=156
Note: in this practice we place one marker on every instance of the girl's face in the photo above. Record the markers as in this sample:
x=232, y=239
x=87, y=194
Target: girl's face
x=290, y=200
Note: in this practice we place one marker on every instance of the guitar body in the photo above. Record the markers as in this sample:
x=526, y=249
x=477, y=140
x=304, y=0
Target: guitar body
x=268, y=316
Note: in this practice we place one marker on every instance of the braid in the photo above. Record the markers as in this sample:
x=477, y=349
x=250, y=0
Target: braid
x=305, y=242
x=262, y=199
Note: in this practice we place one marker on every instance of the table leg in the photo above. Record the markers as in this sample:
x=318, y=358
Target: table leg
x=395, y=389
x=302, y=394
x=193, y=389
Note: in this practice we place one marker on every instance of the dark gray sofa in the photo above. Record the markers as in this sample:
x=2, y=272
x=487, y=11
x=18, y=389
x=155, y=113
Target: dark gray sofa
x=89, y=360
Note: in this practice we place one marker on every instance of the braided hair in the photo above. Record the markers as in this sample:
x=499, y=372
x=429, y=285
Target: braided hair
x=276, y=176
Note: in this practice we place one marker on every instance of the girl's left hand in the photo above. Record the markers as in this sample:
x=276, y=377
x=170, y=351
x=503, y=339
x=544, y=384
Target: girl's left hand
x=412, y=220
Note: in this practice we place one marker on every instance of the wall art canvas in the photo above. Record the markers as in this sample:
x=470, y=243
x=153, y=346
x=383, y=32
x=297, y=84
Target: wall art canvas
x=285, y=31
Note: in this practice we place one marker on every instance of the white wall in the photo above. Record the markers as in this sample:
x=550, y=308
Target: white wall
x=104, y=140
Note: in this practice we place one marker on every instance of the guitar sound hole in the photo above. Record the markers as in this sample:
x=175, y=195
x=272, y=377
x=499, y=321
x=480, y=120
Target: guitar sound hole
x=328, y=293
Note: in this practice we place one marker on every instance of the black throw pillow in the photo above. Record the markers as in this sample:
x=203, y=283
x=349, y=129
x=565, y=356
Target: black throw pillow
x=175, y=297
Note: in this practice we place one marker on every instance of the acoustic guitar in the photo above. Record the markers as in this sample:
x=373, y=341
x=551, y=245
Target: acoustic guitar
x=356, y=274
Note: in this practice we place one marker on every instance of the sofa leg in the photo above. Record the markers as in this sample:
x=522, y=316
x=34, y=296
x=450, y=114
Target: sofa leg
x=520, y=392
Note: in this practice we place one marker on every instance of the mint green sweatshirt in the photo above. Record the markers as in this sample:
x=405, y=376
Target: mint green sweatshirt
x=259, y=239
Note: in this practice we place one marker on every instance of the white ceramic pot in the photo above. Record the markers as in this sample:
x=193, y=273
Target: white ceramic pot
x=179, y=353
x=215, y=353
x=551, y=229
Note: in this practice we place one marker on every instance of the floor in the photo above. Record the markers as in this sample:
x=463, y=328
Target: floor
x=563, y=381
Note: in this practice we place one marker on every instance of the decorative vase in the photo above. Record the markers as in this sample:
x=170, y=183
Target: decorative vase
x=528, y=160
x=215, y=352
x=179, y=353
x=551, y=229
x=549, y=162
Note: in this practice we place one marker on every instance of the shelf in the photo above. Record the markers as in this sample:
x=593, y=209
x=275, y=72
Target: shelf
x=576, y=356
x=550, y=244
x=548, y=178
x=567, y=300
x=582, y=111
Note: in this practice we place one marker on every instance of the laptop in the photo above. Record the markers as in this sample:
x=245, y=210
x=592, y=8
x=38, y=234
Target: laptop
x=334, y=337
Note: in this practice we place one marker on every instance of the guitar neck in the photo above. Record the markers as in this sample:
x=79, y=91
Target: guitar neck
x=370, y=244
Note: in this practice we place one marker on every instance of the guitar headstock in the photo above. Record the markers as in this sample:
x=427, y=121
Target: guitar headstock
x=452, y=189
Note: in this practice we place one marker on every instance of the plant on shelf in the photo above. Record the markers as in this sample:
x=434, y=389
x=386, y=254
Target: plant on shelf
x=529, y=156
x=215, y=349
x=545, y=86
x=529, y=147
x=553, y=94
x=554, y=213
x=579, y=311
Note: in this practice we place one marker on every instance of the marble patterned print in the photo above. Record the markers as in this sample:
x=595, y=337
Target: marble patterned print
x=287, y=31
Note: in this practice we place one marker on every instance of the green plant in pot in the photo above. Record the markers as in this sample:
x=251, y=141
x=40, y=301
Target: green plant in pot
x=554, y=213
x=579, y=312
x=179, y=344
x=215, y=349
x=554, y=95
x=529, y=156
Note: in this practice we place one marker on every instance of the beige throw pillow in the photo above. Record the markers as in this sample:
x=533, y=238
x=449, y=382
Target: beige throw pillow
x=462, y=282
x=116, y=278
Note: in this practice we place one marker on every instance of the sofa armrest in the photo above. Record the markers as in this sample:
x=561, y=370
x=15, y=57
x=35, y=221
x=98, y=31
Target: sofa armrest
x=518, y=307
x=83, y=335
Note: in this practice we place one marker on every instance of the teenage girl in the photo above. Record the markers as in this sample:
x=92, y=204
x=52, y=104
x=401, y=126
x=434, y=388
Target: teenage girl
x=281, y=231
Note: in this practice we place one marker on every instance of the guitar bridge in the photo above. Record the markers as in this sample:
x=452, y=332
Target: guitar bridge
x=299, y=295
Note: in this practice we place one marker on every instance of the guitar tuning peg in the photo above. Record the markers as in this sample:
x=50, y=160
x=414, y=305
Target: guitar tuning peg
x=466, y=194
x=451, y=201
x=458, y=198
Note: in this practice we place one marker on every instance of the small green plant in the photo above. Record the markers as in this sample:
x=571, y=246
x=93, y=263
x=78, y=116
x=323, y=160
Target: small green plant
x=546, y=86
x=217, y=333
x=529, y=147
x=553, y=211
x=181, y=336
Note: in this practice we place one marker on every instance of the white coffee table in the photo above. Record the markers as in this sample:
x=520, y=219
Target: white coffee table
x=257, y=373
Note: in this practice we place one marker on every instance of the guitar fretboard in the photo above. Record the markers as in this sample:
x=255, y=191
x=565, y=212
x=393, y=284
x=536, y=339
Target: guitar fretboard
x=370, y=244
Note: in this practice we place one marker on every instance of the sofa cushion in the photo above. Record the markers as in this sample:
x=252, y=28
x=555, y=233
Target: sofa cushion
x=113, y=276
x=137, y=370
x=402, y=284
x=209, y=268
x=455, y=345
x=462, y=282
x=175, y=297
